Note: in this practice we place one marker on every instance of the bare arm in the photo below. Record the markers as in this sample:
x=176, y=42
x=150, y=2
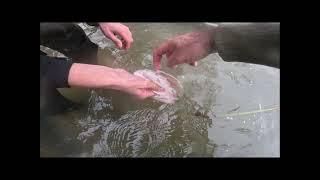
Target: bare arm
x=61, y=72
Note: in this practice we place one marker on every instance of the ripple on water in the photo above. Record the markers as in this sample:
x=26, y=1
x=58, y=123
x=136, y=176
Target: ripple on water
x=177, y=130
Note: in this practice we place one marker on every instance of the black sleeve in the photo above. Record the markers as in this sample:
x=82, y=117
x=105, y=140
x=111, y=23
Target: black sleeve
x=55, y=71
x=93, y=24
x=257, y=43
x=48, y=30
x=70, y=40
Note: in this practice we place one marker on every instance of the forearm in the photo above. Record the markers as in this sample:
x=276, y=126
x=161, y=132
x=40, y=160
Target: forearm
x=63, y=73
x=257, y=43
x=92, y=76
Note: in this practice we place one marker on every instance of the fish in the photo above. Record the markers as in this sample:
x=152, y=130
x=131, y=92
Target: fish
x=172, y=88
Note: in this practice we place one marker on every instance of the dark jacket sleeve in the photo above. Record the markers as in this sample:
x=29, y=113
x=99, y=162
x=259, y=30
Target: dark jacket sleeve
x=55, y=71
x=93, y=24
x=48, y=30
x=257, y=43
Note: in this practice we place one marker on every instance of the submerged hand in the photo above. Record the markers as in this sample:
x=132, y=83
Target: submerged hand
x=137, y=86
x=102, y=77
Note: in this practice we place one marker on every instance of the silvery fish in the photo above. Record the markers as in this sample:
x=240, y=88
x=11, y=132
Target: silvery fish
x=171, y=86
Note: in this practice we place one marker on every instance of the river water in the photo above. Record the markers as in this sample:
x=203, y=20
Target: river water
x=227, y=109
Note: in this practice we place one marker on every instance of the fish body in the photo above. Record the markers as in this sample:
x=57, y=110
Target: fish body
x=169, y=84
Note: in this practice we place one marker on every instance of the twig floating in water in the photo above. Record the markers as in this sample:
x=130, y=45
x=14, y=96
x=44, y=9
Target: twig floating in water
x=234, y=109
x=251, y=112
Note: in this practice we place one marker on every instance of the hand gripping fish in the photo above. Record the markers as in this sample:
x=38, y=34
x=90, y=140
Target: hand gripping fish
x=172, y=87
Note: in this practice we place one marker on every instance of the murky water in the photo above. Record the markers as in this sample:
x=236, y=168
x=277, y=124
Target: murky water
x=227, y=109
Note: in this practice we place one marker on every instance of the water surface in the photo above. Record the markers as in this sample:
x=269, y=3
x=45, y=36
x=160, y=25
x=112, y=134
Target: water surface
x=203, y=123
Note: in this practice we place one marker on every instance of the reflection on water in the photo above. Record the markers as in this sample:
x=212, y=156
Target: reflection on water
x=113, y=124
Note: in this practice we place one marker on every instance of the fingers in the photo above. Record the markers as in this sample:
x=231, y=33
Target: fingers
x=141, y=83
x=114, y=39
x=166, y=47
x=110, y=30
x=128, y=44
x=143, y=94
x=151, y=86
x=146, y=90
x=127, y=38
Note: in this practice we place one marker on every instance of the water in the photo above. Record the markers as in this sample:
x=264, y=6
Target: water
x=112, y=124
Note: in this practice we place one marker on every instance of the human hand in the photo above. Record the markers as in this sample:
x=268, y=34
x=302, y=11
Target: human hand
x=102, y=77
x=110, y=30
x=134, y=85
x=187, y=48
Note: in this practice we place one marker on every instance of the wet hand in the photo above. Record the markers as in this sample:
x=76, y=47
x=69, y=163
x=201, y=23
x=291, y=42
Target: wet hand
x=188, y=48
x=112, y=30
x=137, y=86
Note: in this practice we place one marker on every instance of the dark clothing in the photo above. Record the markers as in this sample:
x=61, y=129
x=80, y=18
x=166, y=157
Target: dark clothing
x=55, y=70
x=257, y=43
x=69, y=39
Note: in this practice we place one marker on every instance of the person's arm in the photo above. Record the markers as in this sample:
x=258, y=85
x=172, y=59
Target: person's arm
x=61, y=73
x=257, y=43
x=252, y=43
x=102, y=77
